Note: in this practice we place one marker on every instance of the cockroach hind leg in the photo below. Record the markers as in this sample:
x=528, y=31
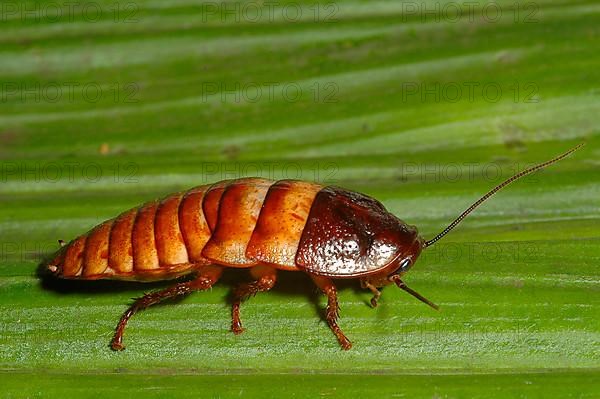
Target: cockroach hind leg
x=205, y=279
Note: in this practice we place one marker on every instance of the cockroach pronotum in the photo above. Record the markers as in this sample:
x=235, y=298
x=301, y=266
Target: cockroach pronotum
x=324, y=231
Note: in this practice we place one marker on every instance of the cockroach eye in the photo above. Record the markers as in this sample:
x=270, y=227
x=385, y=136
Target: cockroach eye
x=405, y=265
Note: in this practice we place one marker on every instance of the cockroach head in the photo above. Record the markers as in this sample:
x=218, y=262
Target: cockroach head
x=408, y=250
x=349, y=234
x=408, y=258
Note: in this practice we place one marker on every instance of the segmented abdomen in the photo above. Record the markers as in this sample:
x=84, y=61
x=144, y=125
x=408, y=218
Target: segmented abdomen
x=238, y=223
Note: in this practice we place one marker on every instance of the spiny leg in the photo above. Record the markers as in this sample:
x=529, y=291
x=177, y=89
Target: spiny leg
x=332, y=313
x=207, y=276
x=265, y=280
x=374, y=290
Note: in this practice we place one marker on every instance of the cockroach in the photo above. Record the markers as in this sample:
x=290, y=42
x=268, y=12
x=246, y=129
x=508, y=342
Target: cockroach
x=326, y=232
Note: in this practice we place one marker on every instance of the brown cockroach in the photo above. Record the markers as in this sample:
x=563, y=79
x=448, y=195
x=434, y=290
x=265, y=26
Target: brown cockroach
x=324, y=231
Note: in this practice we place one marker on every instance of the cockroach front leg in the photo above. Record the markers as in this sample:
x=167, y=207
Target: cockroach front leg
x=374, y=290
x=207, y=276
x=332, y=313
x=265, y=280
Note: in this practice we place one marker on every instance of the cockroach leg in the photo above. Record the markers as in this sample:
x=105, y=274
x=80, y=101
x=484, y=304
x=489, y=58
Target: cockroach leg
x=374, y=290
x=332, y=313
x=265, y=280
x=207, y=276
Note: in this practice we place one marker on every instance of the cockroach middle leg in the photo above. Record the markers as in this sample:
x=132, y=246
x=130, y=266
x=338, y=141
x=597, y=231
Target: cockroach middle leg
x=265, y=280
x=374, y=290
x=332, y=312
x=207, y=276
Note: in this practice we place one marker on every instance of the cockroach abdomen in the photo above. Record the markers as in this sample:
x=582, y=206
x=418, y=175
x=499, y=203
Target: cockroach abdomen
x=96, y=250
x=170, y=246
x=145, y=255
x=281, y=221
x=211, y=201
x=239, y=208
x=193, y=224
x=120, y=257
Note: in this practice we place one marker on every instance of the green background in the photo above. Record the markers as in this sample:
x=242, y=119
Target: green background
x=115, y=103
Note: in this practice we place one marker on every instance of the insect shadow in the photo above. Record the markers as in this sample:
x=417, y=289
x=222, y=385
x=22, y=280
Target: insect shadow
x=289, y=284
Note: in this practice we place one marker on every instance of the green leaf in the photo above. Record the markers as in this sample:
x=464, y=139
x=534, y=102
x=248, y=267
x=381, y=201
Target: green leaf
x=421, y=108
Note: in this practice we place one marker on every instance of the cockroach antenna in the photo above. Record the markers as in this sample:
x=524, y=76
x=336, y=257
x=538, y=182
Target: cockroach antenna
x=495, y=190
